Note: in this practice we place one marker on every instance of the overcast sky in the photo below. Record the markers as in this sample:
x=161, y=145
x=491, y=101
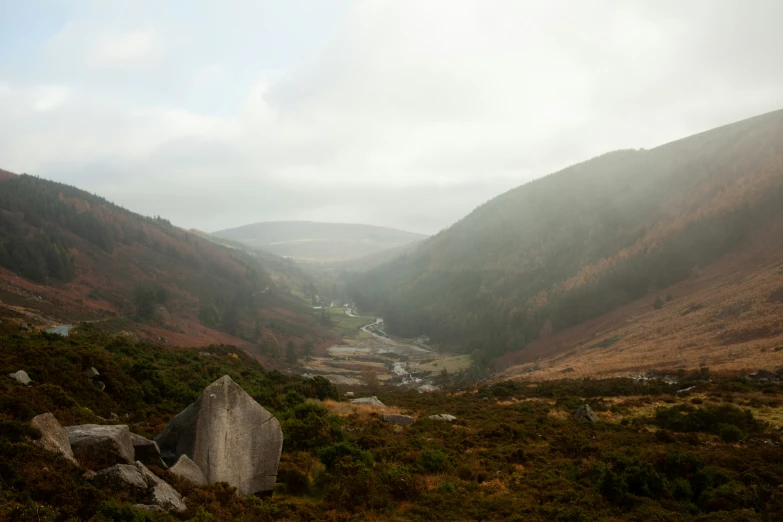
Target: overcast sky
x=399, y=113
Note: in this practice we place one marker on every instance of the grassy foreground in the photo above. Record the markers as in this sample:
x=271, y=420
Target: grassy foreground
x=514, y=452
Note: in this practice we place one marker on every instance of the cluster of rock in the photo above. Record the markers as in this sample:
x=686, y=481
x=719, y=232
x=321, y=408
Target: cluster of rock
x=225, y=436
x=112, y=450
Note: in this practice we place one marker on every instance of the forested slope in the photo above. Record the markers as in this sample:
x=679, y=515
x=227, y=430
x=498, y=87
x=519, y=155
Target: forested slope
x=80, y=257
x=578, y=243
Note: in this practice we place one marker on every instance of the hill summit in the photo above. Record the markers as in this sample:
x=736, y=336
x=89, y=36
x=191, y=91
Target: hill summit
x=584, y=241
x=314, y=241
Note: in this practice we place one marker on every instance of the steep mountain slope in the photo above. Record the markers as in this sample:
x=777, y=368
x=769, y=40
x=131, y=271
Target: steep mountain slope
x=326, y=242
x=69, y=256
x=584, y=241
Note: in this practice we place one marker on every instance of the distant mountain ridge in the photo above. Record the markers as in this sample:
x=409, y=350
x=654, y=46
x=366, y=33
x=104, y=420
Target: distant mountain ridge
x=583, y=241
x=317, y=241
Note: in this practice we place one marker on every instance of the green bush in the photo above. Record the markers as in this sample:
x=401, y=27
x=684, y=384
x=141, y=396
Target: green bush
x=434, y=461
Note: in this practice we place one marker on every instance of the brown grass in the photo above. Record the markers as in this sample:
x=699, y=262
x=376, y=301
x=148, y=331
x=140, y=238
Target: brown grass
x=723, y=317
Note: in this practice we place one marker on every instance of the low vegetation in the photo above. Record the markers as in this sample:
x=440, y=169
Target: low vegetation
x=514, y=452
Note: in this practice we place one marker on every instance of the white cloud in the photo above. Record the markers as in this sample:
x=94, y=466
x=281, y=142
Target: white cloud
x=413, y=114
x=134, y=49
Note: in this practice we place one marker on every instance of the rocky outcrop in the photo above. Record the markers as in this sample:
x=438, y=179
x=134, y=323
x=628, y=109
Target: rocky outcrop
x=584, y=412
x=54, y=437
x=369, y=401
x=186, y=469
x=146, y=451
x=229, y=436
x=98, y=447
x=397, y=420
x=21, y=377
x=135, y=479
x=443, y=417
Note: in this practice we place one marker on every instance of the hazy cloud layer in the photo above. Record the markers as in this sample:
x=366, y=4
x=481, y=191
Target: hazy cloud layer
x=397, y=113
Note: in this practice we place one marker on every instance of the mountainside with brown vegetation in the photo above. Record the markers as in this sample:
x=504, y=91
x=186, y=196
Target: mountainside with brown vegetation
x=69, y=256
x=570, y=247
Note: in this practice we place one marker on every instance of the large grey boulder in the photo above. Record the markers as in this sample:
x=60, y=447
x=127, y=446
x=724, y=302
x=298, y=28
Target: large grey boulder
x=369, y=401
x=443, y=417
x=229, y=436
x=397, y=420
x=147, y=451
x=97, y=446
x=54, y=437
x=186, y=469
x=21, y=377
x=139, y=481
x=585, y=412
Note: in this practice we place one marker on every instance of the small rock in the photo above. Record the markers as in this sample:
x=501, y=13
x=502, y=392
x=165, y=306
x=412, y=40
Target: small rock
x=443, y=417
x=349, y=394
x=91, y=372
x=101, y=446
x=186, y=469
x=685, y=390
x=585, y=412
x=397, y=420
x=21, y=377
x=101, y=386
x=485, y=398
x=163, y=494
x=147, y=451
x=114, y=417
x=89, y=475
x=763, y=375
x=24, y=327
x=369, y=401
x=122, y=477
x=54, y=437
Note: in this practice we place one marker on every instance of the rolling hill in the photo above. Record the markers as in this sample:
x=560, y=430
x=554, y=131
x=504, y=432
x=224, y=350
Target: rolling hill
x=68, y=256
x=319, y=242
x=587, y=241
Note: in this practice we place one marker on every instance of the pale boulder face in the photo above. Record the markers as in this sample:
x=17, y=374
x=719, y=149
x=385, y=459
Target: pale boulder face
x=229, y=436
x=54, y=437
x=21, y=377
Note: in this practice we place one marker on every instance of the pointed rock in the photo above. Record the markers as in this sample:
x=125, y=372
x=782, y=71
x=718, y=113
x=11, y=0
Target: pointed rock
x=147, y=451
x=54, y=437
x=186, y=469
x=585, y=412
x=100, y=446
x=229, y=436
x=91, y=372
x=21, y=377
